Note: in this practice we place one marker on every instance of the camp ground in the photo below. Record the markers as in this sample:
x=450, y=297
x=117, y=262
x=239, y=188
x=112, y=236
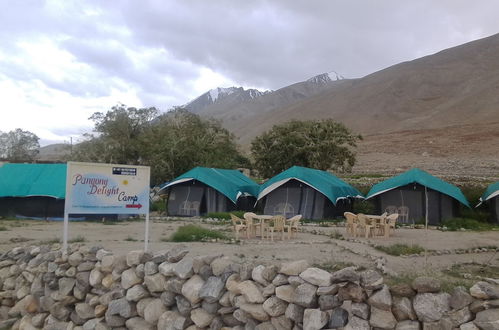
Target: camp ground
x=203, y=190
x=414, y=194
x=312, y=193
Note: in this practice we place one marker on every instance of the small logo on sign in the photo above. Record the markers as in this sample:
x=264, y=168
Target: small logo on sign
x=124, y=171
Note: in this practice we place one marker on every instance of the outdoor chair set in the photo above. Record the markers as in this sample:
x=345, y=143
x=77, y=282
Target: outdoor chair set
x=265, y=225
x=189, y=208
x=370, y=225
x=402, y=211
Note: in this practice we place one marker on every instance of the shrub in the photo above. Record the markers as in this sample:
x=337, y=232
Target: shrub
x=335, y=234
x=3, y=228
x=77, y=239
x=363, y=206
x=400, y=249
x=192, y=233
x=469, y=224
x=50, y=241
x=473, y=194
x=158, y=206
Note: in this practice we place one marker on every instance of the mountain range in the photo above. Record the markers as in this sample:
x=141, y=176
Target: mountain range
x=439, y=112
x=445, y=98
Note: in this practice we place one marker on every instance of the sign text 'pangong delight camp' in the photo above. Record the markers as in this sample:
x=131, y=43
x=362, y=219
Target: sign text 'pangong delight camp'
x=106, y=189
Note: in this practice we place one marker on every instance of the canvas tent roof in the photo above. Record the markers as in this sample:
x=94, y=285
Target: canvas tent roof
x=27, y=180
x=491, y=192
x=326, y=183
x=421, y=177
x=230, y=183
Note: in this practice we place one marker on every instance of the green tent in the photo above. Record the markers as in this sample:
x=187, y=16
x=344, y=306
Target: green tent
x=407, y=189
x=313, y=193
x=491, y=197
x=35, y=191
x=491, y=192
x=203, y=190
x=27, y=180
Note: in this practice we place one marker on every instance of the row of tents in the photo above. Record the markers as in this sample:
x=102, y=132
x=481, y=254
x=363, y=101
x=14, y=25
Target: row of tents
x=38, y=191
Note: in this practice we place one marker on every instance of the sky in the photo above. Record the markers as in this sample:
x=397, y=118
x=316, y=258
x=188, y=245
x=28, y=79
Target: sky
x=62, y=60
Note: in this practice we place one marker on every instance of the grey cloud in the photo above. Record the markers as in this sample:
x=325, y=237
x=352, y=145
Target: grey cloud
x=280, y=42
x=158, y=48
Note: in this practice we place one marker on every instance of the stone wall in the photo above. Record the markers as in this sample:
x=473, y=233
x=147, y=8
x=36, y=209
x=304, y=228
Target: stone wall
x=93, y=289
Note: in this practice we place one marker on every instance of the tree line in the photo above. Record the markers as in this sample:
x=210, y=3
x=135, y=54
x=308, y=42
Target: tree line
x=176, y=141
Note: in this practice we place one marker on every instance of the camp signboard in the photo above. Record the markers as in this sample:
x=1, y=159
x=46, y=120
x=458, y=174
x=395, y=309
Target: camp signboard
x=107, y=189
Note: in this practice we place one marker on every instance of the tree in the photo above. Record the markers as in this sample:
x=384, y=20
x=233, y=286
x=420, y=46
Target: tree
x=181, y=140
x=19, y=145
x=117, y=138
x=321, y=144
x=171, y=143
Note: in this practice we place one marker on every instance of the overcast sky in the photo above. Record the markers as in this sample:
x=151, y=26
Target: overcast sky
x=62, y=60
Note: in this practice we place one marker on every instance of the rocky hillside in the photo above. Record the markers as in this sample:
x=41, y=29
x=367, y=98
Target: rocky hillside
x=238, y=107
x=456, y=86
x=439, y=112
x=54, y=152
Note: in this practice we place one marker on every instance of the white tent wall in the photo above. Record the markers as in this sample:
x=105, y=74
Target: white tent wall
x=295, y=197
x=215, y=201
x=284, y=200
x=494, y=205
x=319, y=205
x=193, y=198
x=449, y=207
x=185, y=200
x=399, y=197
x=440, y=206
x=36, y=207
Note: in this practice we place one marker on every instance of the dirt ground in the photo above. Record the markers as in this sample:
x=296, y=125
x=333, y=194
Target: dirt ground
x=314, y=243
x=457, y=152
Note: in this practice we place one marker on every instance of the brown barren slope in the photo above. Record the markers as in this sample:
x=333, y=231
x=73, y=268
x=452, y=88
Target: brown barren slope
x=439, y=112
x=457, y=86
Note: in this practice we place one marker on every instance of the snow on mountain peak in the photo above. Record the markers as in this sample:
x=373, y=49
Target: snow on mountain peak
x=216, y=92
x=333, y=75
x=325, y=78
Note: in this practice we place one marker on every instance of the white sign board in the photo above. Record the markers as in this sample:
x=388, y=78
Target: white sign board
x=107, y=189
x=93, y=188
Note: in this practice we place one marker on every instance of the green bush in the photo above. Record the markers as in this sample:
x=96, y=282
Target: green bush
x=400, y=249
x=158, y=206
x=193, y=233
x=77, y=239
x=130, y=239
x=467, y=223
x=473, y=194
x=224, y=215
x=363, y=206
x=3, y=228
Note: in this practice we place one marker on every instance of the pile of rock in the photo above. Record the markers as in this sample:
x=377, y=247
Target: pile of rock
x=90, y=288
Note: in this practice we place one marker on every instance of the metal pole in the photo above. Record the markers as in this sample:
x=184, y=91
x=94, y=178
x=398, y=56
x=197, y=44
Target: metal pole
x=426, y=230
x=146, y=239
x=65, y=234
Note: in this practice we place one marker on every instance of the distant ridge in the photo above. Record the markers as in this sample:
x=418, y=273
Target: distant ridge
x=423, y=113
x=235, y=105
x=456, y=86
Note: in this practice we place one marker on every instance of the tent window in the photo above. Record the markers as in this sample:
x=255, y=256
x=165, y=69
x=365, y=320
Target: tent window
x=319, y=201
